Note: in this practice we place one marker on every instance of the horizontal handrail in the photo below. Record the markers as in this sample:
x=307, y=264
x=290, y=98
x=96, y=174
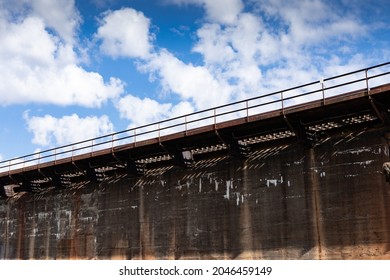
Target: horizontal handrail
x=214, y=114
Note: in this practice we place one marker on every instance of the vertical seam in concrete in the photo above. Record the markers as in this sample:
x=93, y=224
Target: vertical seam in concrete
x=385, y=145
x=6, y=233
x=142, y=225
x=316, y=207
x=315, y=189
x=31, y=247
x=21, y=226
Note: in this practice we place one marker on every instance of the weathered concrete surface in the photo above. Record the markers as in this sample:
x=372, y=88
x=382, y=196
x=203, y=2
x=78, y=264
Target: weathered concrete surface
x=284, y=202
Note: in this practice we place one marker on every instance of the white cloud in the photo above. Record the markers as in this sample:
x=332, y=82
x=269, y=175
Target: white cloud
x=310, y=22
x=142, y=111
x=61, y=16
x=278, y=45
x=249, y=54
x=221, y=11
x=49, y=131
x=37, y=66
x=125, y=33
x=191, y=83
x=103, y=3
x=145, y=111
x=234, y=52
x=244, y=53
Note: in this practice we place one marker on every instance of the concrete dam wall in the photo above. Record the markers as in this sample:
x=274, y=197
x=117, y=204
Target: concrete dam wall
x=283, y=201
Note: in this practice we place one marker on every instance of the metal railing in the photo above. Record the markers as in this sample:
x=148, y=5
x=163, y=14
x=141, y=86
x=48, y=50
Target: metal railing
x=279, y=100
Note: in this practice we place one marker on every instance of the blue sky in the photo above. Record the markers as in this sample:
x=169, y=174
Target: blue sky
x=71, y=70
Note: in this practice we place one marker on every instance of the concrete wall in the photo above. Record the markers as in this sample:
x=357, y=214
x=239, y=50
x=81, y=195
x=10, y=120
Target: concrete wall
x=283, y=202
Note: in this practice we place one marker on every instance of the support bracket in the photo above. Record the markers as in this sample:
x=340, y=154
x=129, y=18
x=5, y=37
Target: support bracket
x=182, y=157
x=304, y=137
x=135, y=168
x=237, y=147
x=381, y=111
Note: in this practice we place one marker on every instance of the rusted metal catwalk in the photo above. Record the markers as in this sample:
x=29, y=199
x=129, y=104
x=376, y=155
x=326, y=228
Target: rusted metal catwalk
x=310, y=114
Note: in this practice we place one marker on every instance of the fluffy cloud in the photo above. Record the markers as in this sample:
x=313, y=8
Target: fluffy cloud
x=235, y=52
x=41, y=67
x=222, y=11
x=125, y=33
x=49, y=131
x=244, y=53
x=61, y=16
x=144, y=111
x=191, y=83
x=278, y=45
x=311, y=22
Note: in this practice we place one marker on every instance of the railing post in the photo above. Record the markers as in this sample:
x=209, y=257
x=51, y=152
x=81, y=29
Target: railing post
x=215, y=117
x=368, y=88
x=112, y=142
x=185, y=124
x=247, y=110
x=281, y=98
x=323, y=91
x=135, y=137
